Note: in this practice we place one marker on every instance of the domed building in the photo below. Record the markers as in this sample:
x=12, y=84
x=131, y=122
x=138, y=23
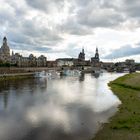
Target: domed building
x=5, y=51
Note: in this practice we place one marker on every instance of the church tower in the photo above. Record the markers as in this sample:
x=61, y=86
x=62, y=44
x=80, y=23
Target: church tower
x=97, y=54
x=95, y=60
x=82, y=55
x=5, y=51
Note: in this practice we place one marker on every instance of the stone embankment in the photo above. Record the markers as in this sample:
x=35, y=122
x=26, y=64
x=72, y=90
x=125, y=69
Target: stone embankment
x=18, y=73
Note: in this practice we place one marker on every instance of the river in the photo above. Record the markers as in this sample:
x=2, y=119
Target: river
x=67, y=108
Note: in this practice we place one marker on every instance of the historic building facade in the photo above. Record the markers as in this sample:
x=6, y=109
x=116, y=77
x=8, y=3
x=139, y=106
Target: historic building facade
x=18, y=60
x=30, y=61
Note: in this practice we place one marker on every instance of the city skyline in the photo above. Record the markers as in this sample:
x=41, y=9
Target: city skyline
x=59, y=29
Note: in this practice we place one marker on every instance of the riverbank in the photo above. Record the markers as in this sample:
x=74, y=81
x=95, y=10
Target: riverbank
x=125, y=125
x=13, y=73
x=14, y=76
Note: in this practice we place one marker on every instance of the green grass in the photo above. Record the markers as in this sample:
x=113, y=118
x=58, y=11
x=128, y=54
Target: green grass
x=125, y=125
x=129, y=81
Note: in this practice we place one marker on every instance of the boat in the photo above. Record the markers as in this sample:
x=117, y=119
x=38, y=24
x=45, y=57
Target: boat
x=70, y=73
x=50, y=74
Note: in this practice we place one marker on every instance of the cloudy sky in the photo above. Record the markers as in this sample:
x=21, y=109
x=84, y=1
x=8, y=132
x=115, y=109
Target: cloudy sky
x=60, y=28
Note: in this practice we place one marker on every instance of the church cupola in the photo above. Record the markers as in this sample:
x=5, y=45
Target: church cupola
x=4, y=41
x=5, y=51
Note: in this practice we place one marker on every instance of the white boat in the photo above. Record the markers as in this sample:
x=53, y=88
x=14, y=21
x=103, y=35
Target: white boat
x=49, y=74
x=71, y=73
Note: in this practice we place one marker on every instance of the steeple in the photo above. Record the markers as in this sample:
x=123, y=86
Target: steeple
x=83, y=50
x=96, y=49
x=95, y=61
x=97, y=54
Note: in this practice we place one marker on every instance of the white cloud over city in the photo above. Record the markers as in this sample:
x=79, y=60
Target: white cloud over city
x=60, y=28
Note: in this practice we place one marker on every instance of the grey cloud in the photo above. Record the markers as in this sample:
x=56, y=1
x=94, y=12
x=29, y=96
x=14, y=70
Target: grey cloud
x=26, y=47
x=78, y=4
x=28, y=32
x=6, y=17
x=41, y=34
x=71, y=26
x=124, y=51
x=127, y=8
x=38, y=4
x=100, y=18
x=46, y=5
x=72, y=50
x=99, y=14
x=87, y=15
x=131, y=8
x=110, y=14
x=28, y=42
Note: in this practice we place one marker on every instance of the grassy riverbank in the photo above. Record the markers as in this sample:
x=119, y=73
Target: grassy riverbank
x=125, y=125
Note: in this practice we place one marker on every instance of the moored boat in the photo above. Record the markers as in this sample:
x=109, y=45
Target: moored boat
x=70, y=73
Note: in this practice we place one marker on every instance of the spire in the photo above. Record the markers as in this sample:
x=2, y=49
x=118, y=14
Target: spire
x=12, y=53
x=83, y=50
x=97, y=54
x=96, y=49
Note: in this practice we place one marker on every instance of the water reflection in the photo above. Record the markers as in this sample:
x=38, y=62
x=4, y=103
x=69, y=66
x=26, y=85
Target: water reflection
x=96, y=75
x=82, y=77
x=65, y=109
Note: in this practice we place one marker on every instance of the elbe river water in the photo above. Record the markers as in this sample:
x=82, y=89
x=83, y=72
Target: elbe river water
x=66, y=108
